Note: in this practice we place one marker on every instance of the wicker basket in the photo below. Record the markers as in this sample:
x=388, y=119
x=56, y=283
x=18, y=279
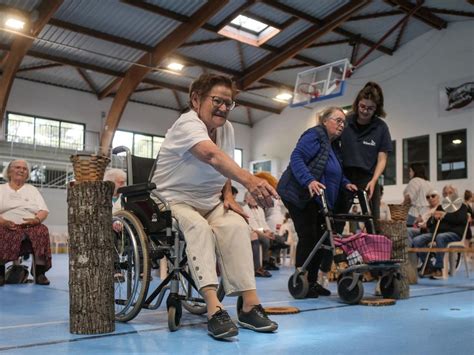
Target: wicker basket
x=399, y=212
x=89, y=167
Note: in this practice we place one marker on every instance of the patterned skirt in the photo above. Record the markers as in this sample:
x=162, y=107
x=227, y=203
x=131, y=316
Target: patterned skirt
x=12, y=246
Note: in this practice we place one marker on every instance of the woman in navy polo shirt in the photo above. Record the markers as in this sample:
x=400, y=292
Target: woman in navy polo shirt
x=314, y=165
x=366, y=142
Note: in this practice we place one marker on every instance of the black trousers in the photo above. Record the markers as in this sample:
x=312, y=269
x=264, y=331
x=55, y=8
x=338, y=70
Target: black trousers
x=344, y=203
x=310, y=226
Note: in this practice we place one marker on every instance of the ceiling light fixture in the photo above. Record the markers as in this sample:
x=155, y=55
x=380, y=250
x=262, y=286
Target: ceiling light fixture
x=175, y=66
x=457, y=141
x=284, y=96
x=15, y=23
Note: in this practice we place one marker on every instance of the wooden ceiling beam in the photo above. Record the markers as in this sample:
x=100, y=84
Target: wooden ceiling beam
x=422, y=14
x=136, y=45
x=294, y=66
x=178, y=17
x=339, y=30
x=389, y=32
x=137, y=73
x=20, y=47
x=205, y=41
x=178, y=101
x=400, y=35
x=109, y=88
x=264, y=66
x=330, y=43
x=39, y=67
x=82, y=73
x=375, y=15
x=449, y=12
x=120, y=75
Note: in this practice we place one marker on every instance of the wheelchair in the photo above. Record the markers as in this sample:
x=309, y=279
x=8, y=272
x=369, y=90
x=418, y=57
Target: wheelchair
x=148, y=234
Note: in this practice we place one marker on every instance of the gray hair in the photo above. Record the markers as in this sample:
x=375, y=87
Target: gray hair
x=114, y=174
x=325, y=114
x=450, y=187
x=6, y=170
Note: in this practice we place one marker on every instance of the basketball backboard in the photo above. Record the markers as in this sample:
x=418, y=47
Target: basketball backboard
x=321, y=83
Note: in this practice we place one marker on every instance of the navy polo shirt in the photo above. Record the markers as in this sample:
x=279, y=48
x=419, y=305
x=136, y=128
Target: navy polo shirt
x=360, y=147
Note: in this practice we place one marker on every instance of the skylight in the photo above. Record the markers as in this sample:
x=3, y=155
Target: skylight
x=249, y=24
x=248, y=30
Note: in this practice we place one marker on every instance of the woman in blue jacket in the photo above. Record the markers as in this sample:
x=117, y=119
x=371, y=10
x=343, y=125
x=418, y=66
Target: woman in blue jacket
x=315, y=164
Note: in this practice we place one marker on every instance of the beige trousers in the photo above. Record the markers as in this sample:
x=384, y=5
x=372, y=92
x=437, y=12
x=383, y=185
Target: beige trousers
x=217, y=236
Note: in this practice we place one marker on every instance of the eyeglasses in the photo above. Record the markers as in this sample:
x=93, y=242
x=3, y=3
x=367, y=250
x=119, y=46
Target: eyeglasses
x=431, y=196
x=218, y=101
x=367, y=108
x=339, y=121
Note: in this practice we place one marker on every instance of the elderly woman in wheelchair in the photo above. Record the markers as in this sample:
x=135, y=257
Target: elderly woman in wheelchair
x=194, y=168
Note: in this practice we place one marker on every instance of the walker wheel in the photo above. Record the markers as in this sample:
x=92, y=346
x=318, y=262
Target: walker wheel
x=300, y=288
x=390, y=287
x=350, y=296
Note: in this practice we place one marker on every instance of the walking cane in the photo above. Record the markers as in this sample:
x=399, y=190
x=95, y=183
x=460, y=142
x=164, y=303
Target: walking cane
x=431, y=247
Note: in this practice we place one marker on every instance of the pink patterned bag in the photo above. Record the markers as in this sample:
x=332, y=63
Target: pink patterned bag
x=371, y=247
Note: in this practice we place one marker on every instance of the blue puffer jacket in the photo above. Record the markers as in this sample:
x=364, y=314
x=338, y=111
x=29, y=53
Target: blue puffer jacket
x=289, y=188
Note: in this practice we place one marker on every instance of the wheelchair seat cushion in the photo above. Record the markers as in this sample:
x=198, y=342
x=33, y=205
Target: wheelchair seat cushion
x=137, y=189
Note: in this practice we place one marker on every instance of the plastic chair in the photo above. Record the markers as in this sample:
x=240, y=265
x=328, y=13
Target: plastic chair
x=452, y=261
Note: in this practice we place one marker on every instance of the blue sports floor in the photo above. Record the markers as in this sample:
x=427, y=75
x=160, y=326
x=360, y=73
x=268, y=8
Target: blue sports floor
x=437, y=319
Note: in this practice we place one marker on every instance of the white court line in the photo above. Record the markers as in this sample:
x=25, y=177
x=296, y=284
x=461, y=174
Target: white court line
x=33, y=324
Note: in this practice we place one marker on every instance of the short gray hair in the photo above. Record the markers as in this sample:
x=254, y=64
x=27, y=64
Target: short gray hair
x=114, y=174
x=6, y=170
x=325, y=114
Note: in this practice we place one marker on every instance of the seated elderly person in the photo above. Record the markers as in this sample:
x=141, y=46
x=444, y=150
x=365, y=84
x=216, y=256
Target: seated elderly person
x=260, y=235
x=194, y=168
x=451, y=228
x=119, y=178
x=419, y=226
x=22, y=212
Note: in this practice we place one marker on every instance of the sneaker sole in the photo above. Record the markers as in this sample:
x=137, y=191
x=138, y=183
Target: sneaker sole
x=267, y=329
x=229, y=334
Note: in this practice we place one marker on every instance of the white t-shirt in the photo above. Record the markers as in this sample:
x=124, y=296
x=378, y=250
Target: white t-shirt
x=24, y=203
x=274, y=215
x=182, y=178
x=256, y=218
x=417, y=189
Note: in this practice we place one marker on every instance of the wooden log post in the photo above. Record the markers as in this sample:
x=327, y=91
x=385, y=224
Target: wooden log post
x=91, y=285
x=397, y=232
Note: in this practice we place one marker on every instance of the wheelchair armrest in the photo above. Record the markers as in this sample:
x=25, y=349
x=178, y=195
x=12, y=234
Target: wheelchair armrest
x=137, y=189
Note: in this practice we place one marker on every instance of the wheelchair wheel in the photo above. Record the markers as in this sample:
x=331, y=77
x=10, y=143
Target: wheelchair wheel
x=173, y=304
x=190, y=294
x=300, y=289
x=350, y=296
x=390, y=287
x=131, y=266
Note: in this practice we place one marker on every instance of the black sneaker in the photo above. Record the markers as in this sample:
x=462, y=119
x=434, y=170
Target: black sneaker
x=257, y=320
x=320, y=290
x=220, y=325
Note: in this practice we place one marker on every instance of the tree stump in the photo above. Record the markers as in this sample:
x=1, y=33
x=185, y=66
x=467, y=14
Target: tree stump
x=397, y=232
x=91, y=285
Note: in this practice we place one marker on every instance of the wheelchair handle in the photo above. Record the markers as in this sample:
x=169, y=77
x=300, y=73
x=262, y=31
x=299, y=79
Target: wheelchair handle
x=121, y=149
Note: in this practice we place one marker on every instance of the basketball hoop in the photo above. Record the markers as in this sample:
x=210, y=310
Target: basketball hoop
x=321, y=83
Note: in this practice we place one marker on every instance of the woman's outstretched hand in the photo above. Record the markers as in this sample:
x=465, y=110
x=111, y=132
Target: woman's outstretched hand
x=262, y=192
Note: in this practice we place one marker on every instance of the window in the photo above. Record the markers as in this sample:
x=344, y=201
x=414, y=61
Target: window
x=238, y=156
x=390, y=173
x=416, y=150
x=452, y=155
x=141, y=145
x=44, y=131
